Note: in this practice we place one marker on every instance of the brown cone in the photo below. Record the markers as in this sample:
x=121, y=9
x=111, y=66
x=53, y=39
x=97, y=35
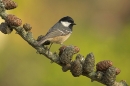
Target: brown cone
x=117, y=71
x=103, y=65
x=61, y=49
x=109, y=76
x=9, y=4
x=13, y=20
x=76, y=68
x=27, y=27
x=89, y=63
x=5, y=29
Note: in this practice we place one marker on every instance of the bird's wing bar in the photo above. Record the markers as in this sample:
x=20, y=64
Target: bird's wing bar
x=56, y=33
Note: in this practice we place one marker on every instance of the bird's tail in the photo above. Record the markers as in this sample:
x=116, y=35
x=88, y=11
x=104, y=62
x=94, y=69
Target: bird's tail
x=41, y=41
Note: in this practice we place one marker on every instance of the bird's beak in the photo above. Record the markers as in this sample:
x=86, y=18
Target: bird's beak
x=74, y=24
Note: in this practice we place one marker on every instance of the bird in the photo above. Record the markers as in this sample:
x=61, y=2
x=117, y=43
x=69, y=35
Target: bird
x=59, y=33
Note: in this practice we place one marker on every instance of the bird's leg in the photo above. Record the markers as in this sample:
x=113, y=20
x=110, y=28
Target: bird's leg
x=62, y=44
x=49, y=48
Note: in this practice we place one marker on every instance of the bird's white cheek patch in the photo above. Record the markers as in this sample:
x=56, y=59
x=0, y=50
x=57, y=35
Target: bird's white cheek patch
x=66, y=24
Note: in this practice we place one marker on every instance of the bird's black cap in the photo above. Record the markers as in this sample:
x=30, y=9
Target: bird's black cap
x=68, y=19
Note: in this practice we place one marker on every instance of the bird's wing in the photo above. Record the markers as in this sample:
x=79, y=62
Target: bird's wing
x=52, y=34
x=57, y=32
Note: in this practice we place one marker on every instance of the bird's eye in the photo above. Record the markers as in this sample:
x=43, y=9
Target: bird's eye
x=70, y=21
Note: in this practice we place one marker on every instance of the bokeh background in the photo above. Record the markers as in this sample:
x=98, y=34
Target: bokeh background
x=103, y=27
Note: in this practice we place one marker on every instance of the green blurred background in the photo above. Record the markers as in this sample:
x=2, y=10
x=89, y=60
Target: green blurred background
x=103, y=27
